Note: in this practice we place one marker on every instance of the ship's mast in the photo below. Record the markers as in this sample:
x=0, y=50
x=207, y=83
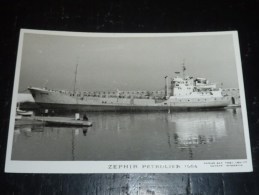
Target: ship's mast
x=166, y=86
x=75, y=77
x=184, y=68
x=45, y=84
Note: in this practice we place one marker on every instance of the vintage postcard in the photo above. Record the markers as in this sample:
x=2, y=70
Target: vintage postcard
x=128, y=103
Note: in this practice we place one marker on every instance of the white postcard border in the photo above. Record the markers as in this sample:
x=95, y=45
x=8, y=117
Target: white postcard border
x=166, y=166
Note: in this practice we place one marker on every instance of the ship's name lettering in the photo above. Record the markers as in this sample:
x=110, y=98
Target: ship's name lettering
x=144, y=166
x=122, y=166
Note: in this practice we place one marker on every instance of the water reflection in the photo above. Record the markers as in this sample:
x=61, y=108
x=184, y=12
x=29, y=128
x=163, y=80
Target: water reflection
x=137, y=136
x=84, y=131
x=73, y=143
x=234, y=110
x=196, y=128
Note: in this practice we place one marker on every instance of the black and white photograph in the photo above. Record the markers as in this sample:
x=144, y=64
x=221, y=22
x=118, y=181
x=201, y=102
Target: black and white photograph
x=128, y=102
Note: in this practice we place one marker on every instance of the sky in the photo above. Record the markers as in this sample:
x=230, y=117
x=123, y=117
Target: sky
x=124, y=63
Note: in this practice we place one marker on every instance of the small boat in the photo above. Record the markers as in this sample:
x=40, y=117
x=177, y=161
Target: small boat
x=23, y=112
x=18, y=117
x=233, y=106
x=64, y=121
x=27, y=121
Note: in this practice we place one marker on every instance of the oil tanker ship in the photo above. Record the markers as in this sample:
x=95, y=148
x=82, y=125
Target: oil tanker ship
x=181, y=93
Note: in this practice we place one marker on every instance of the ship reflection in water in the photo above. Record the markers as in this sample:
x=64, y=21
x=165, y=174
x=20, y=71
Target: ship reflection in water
x=203, y=135
x=194, y=130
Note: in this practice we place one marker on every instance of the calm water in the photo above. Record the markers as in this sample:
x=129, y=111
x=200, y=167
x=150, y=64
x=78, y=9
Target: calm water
x=202, y=135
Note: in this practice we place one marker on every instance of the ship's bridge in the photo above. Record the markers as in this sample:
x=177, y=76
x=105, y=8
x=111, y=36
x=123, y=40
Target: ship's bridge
x=180, y=86
x=204, y=84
